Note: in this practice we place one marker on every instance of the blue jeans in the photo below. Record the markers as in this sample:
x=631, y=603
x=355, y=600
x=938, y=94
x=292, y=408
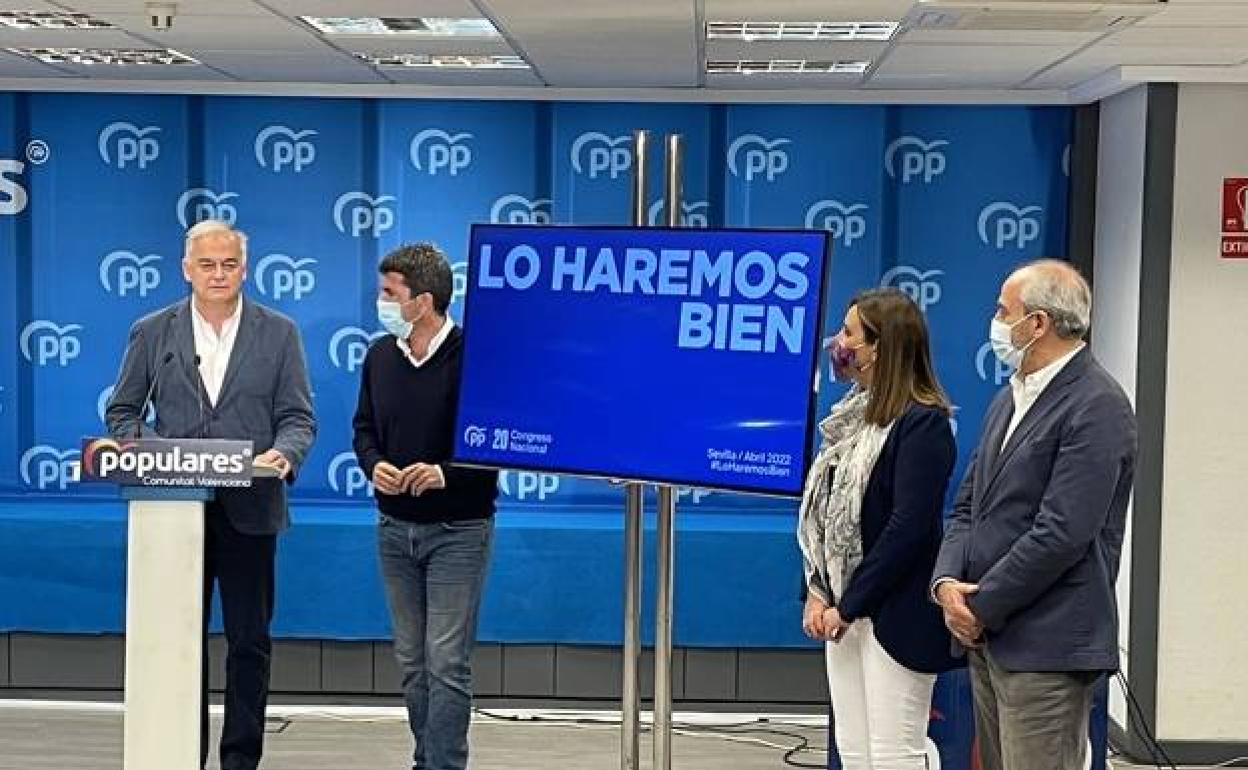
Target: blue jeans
x=433, y=575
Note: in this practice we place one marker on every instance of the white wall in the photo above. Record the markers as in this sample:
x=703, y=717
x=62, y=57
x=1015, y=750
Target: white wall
x=1203, y=626
x=1116, y=288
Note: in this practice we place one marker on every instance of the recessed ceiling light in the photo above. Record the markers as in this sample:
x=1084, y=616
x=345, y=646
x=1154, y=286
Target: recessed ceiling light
x=750, y=31
x=390, y=25
x=115, y=56
x=430, y=61
x=785, y=67
x=50, y=20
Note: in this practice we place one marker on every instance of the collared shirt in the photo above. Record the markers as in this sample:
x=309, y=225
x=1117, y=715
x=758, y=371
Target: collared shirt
x=214, y=349
x=1027, y=389
x=434, y=344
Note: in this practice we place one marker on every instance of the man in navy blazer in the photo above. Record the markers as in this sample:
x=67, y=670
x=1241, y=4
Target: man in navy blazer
x=1026, y=574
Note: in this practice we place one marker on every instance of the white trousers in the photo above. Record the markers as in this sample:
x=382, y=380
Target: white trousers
x=879, y=706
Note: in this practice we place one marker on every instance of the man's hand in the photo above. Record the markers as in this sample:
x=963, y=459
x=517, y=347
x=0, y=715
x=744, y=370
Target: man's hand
x=812, y=617
x=419, y=478
x=834, y=626
x=961, y=621
x=387, y=479
x=276, y=460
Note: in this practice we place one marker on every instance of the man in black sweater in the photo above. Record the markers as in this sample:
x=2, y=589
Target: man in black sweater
x=436, y=522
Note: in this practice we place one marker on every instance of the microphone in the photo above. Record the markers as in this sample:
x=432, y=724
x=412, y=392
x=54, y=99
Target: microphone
x=199, y=395
x=151, y=390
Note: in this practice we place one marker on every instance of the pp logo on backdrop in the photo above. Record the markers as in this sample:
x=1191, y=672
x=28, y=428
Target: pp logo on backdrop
x=526, y=485
x=126, y=273
x=434, y=151
x=751, y=155
x=279, y=275
x=106, y=395
x=1003, y=224
x=362, y=214
x=44, y=342
x=515, y=209
x=346, y=477
x=125, y=144
x=349, y=345
x=595, y=154
x=989, y=367
x=846, y=223
x=13, y=197
x=280, y=147
x=200, y=203
x=459, y=281
x=691, y=214
x=921, y=285
x=46, y=467
x=920, y=159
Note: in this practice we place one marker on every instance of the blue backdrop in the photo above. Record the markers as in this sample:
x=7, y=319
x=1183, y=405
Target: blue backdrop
x=96, y=190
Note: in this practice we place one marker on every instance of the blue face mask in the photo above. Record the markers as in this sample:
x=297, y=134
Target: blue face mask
x=390, y=316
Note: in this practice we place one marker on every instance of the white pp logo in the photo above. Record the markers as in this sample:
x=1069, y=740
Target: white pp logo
x=920, y=159
x=358, y=214
x=200, y=203
x=44, y=342
x=518, y=210
x=595, y=154
x=1002, y=224
x=349, y=345
x=279, y=275
x=281, y=147
x=124, y=273
x=125, y=144
x=45, y=466
x=846, y=223
x=692, y=214
x=434, y=151
x=346, y=477
x=762, y=157
x=921, y=286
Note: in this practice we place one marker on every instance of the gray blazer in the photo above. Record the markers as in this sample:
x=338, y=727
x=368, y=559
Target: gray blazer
x=264, y=398
x=1039, y=523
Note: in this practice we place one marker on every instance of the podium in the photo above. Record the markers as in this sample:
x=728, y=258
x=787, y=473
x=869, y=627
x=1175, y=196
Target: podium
x=166, y=483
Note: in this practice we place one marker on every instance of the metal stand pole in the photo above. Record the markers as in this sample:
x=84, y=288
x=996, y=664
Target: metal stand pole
x=666, y=534
x=630, y=753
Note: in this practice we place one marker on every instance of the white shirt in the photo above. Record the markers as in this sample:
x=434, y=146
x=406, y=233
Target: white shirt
x=214, y=350
x=434, y=344
x=1027, y=389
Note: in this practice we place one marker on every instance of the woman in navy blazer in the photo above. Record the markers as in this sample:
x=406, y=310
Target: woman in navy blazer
x=870, y=530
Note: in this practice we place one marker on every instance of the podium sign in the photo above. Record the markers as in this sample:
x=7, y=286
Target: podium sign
x=161, y=462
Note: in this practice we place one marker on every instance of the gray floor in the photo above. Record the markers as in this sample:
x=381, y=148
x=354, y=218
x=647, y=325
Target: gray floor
x=68, y=740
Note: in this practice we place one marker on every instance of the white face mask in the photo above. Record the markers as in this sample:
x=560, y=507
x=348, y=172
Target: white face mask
x=390, y=316
x=1001, y=335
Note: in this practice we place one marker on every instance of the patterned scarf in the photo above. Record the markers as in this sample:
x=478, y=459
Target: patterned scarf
x=830, y=518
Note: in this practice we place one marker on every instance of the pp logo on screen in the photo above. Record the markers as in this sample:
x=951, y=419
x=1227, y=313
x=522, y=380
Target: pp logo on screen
x=13, y=197
x=1003, y=224
x=106, y=395
x=200, y=203
x=125, y=144
x=919, y=159
x=691, y=214
x=434, y=151
x=349, y=345
x=518, y=210
x=126, y=273
x=359, y=213
x=846, y=222
x=279, y=276
x=526, y=485
x=44, y=343
x=922, y=286
x=595, y=154
x=346, y=477
x=280, y=147
x=474, y=436
x=751, y=155
x=989, y=367
x=46, y=467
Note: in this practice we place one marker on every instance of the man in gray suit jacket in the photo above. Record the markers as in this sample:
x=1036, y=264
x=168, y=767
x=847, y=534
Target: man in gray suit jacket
x=219, y=366
x=1026, y=575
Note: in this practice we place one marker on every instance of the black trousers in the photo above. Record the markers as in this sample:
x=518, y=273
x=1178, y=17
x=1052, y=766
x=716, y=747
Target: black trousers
x=242, y=566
